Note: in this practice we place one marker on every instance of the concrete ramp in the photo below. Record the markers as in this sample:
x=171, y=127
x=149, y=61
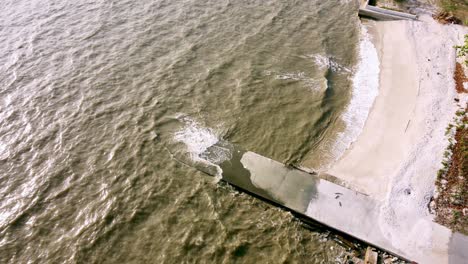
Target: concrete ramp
x=367, y=10
x=342, y=209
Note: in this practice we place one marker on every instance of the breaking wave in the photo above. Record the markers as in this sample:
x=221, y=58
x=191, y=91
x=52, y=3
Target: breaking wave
x=327, y=62
x=196, y=138
x=203, y=145
x=365, y=90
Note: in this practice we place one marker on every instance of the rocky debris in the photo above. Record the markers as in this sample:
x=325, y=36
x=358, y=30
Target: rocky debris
x=371, y=256
x=446, y=18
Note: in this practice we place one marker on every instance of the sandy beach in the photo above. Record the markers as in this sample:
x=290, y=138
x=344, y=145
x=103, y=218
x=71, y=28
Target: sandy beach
x=405, y=128
x=396, y=157
x=384, y=142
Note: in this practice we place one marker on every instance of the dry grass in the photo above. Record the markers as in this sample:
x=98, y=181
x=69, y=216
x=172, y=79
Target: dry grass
x=446, y=18
x=451, y=205
x=460, y=78
x=457, y=8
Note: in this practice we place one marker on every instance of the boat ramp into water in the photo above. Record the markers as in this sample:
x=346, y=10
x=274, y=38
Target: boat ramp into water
x=315, y=199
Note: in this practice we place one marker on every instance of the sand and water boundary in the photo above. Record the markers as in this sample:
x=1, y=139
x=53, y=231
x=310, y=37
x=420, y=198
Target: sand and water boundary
x=396, y=157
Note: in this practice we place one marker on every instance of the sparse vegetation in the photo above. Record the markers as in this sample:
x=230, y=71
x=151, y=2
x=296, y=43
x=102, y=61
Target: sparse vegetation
x=455, y=8
x=451, y=202
x=462, y=50
x=451, y=199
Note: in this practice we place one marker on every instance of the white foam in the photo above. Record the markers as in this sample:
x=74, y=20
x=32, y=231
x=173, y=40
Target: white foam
x=291, y=76
x=217, y=154
x=365, y=90
x=312, y=84
x=196, y=138
x=326, y=62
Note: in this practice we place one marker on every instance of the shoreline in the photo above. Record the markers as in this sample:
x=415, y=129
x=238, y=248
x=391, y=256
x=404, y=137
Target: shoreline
x=365, y=88
x=387, y=120
x=415, y=77
x=396, y=157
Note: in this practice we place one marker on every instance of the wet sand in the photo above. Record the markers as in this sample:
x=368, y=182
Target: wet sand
x=385, y=140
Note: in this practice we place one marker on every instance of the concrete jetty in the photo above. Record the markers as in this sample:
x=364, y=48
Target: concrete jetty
x=332, y=205
x=367, y=10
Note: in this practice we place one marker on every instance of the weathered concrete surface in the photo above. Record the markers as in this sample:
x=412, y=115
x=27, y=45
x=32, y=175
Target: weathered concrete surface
x=382, y=14
x=345, y=210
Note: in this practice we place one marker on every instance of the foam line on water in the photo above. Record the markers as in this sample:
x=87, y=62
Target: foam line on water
x=327, y=62
x=199, y=141
x=311, y=83
x=365, y=90
x=196, y=138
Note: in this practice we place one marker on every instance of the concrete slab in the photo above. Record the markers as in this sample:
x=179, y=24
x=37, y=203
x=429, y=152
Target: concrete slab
x=340, y=208
x=378, y=13
x=371, y=256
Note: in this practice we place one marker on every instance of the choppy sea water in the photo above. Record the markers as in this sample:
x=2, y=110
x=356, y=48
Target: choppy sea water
x=100, y=99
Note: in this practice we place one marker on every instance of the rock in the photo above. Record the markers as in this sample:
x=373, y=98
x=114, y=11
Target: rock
x=371, y=256
x=432, y=206
x=357, y=260
x=388, y=260
x=446, y=18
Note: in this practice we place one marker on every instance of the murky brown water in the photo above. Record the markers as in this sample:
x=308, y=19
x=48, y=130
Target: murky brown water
x=96, y=98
